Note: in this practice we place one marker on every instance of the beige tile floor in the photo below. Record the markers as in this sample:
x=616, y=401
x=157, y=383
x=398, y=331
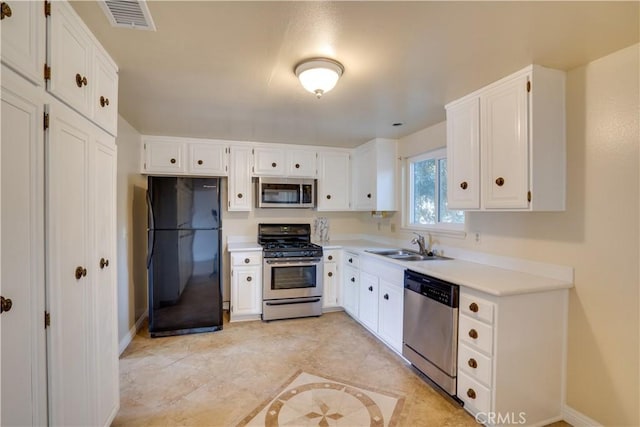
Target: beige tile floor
x=216, y=379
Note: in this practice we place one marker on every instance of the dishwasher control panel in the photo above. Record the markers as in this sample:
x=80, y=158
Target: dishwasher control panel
x=438, y=290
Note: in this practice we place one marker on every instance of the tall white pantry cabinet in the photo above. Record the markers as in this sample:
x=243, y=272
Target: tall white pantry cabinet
x=59, y=352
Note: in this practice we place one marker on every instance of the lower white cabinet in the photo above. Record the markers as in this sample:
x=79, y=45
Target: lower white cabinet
x=510, y=355
x=390, y=310
x=246, y=286
x=22, y=332
x=80, y=269
x=379, y=297
x=331, y=299
x=368, y=313
x=350, y=283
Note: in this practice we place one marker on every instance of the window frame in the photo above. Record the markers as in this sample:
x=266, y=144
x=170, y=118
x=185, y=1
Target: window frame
x=455, y=229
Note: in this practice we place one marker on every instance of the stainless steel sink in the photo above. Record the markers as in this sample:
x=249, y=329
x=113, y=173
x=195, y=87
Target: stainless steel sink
x=406, y=255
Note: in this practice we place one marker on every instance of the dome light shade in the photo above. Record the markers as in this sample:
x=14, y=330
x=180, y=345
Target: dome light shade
x=319, y=75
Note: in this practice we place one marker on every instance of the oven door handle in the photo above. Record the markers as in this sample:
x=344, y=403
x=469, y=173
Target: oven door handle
x=289, y=302
x=283, y=262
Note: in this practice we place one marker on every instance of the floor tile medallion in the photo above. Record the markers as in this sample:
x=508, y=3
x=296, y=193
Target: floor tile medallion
x=310, y=400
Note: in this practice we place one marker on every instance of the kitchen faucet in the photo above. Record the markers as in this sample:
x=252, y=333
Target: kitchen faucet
x=421, y=244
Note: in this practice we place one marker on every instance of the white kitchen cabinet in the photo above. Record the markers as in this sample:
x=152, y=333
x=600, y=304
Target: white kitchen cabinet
x=334, y=178
x=23, y=39
x=390, y=313
x=184, y=156
x=510, y=354
x=368, y=312
x=269, y=162
x=331, y=284
x=374, y=176
x=463, y=154
x=105, y=96
x=350, y=283
x=81, y=264
x=239, y=182
x=82, y=74
x=246, y=286
x=284, y=162
x=164, y=156
x=22, y=333
x=208, y=159
x=518, y=123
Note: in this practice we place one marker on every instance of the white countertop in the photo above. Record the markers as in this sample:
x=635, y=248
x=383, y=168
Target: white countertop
x=243, y=246
x=484, y=278
x=491, y=280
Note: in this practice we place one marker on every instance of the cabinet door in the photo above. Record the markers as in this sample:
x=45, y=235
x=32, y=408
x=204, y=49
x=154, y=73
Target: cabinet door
x=208, y=159
x=104, y=292
x=333, y=181
x=301, y=163
x=68, y=241
x=368, y=313
x=105, y=96
x=23, y=39
x=268, y=162
x=239, y=182
x=22, y=336
x=463, y=155
x=351, y=290
x=364, y=179
x=330, y=285
x=164, y=157
x=390, y=314
x=70, y=52
x=505, y=148
x=247, y=291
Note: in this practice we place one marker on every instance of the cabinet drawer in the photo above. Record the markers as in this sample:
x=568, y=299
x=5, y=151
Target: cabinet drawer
x=246, y=258
x=474, y=394
x=352, y=259
x=331, y=255
x=477, y=365
x=476, y=308
x=476, y=333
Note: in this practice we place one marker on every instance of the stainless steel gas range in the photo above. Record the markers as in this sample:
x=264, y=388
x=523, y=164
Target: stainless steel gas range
x=292, y=272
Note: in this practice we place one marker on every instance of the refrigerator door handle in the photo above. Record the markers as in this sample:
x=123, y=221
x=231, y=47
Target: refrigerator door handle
x=151, y=233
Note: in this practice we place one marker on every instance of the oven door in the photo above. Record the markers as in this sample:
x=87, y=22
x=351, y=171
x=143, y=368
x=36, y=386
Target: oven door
x=292, y=278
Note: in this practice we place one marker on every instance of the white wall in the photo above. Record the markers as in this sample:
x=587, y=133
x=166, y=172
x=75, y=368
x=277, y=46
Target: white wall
x=597, y=235
x=131, y=229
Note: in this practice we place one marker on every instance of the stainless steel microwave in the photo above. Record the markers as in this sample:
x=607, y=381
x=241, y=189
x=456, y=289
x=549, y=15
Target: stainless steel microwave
x=286, y=193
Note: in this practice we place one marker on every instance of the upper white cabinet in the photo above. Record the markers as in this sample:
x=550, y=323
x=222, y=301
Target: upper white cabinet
x=506, y=144
x=374, y=176
x=81, y=73
x=280, y=161
x=239, y=182
x=334, y=176
x=23, y=38
x=182, y=156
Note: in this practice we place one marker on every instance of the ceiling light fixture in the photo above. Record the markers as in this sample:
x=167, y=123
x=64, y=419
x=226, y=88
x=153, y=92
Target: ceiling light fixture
x=319, y=75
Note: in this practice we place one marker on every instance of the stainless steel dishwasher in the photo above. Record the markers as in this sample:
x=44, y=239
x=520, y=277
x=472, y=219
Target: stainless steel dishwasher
x=430, y=338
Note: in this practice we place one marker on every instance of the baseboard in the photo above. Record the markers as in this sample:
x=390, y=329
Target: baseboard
x=578, y=419
x=225, y=305
x=126, y=340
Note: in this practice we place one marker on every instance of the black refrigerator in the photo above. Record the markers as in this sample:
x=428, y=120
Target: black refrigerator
x=183, y=261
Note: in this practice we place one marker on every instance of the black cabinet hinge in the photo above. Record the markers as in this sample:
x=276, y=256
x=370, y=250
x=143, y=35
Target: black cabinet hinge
x=47, y=8
x=45, y=121
x=47, y=72
x=528, y=86
x=529, y=196
x=47, y=319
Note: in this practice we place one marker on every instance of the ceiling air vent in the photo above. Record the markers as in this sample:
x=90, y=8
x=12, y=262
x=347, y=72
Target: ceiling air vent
x=128, y=14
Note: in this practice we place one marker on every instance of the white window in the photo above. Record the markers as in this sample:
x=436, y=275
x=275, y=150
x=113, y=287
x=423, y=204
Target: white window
x=426, y=193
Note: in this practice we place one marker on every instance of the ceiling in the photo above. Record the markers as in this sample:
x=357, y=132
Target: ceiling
x=224, y=70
